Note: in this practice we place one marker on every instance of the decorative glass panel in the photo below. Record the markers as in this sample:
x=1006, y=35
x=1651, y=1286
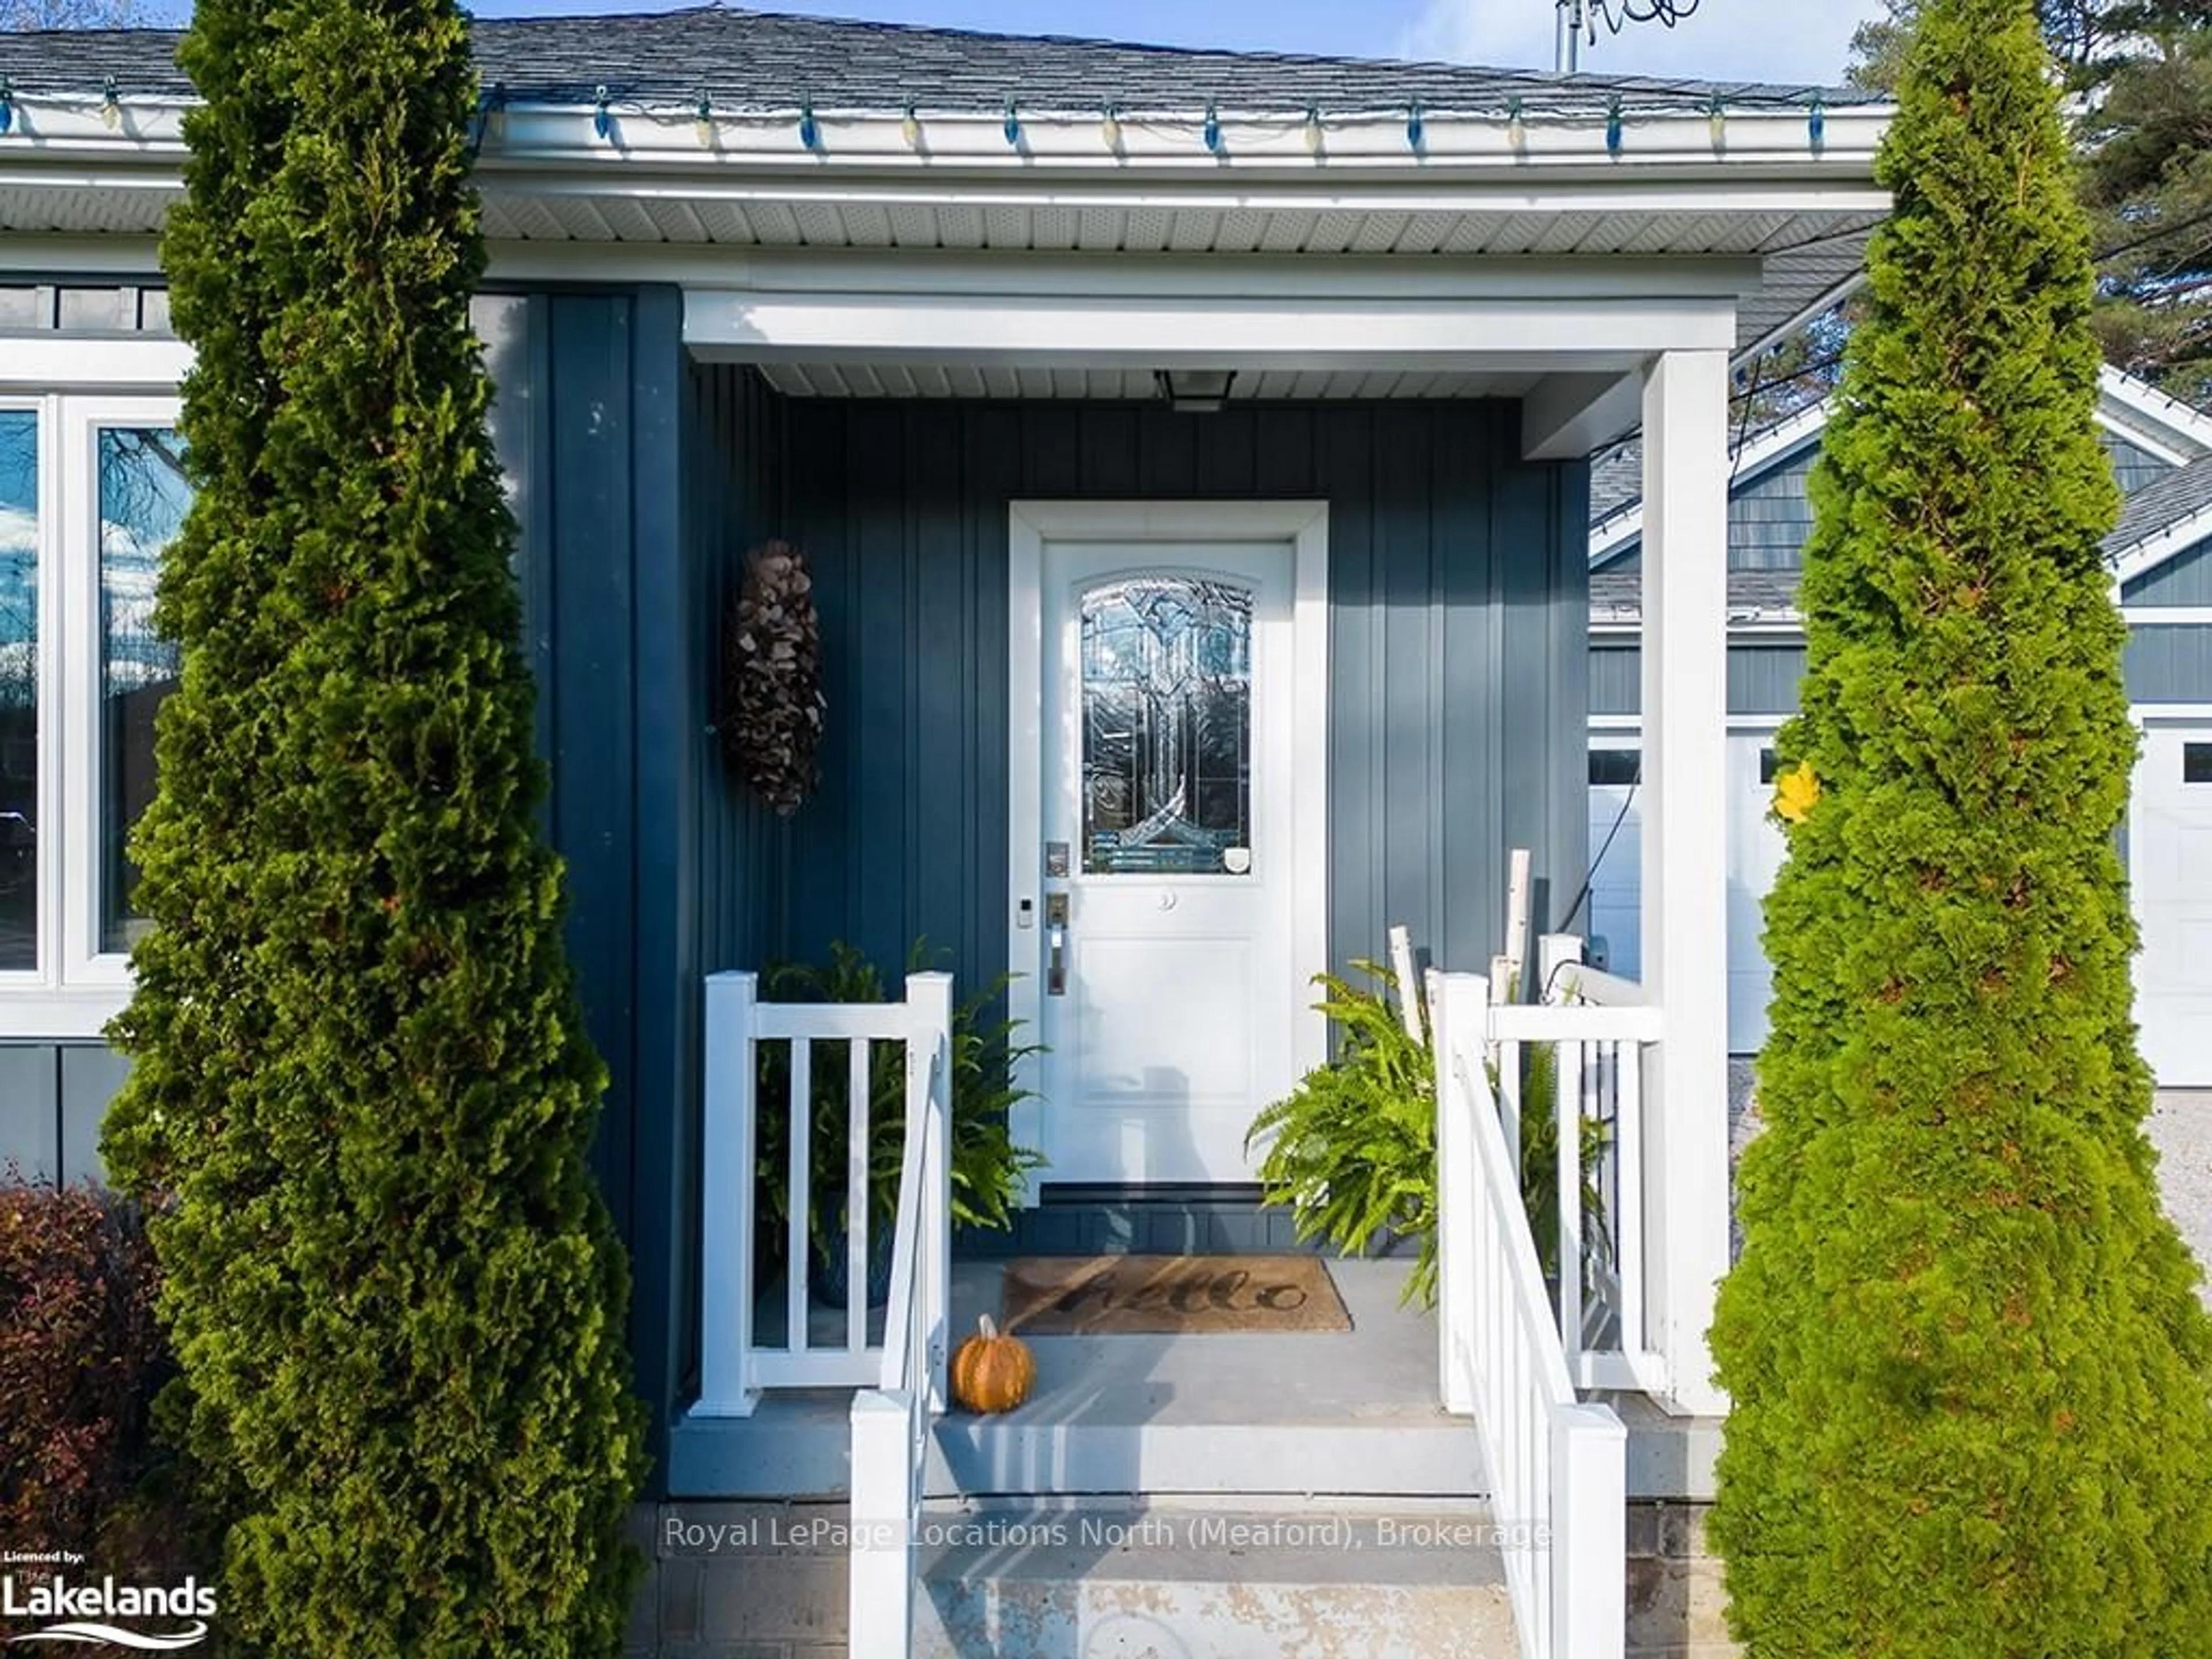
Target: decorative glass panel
x=18, y=689
x=143, y=498
x=1167, y=727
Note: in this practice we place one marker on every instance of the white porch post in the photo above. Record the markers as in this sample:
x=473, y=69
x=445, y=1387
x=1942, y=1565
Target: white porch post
x=1684, y=889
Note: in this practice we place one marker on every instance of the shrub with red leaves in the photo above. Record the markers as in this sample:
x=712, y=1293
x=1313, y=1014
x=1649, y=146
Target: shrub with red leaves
x=79, y=1356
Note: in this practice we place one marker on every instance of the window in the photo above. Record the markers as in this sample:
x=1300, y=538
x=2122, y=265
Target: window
x=1167, y=727
x=143, y=498
x=91, y=494
x=1769, y=764
x=2196, y=762
x=1615, y=768
x=20, y=531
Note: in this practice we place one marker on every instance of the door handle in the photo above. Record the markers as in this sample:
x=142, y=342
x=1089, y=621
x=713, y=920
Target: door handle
x=1055, y=960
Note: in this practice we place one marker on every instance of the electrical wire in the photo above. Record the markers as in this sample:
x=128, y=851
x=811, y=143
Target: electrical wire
x=1668, y=12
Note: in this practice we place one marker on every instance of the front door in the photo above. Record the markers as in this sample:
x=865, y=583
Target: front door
x=1161, y=940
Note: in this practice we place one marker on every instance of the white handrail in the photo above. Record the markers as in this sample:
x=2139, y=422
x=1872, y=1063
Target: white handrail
x=1557, y=1468
x=891, y=1422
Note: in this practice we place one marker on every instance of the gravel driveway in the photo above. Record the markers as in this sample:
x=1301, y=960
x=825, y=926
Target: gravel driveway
x=2181, y=1129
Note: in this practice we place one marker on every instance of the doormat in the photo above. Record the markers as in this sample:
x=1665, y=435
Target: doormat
x=1169, y=1295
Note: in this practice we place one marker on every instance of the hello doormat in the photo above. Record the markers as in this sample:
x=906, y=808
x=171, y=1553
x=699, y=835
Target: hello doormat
x=1169, y=1295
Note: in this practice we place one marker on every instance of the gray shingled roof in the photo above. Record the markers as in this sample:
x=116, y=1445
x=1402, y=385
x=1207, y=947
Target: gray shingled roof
x=2185, y=493
x=1618, y=595
x=765, y=60
x=1616, y=479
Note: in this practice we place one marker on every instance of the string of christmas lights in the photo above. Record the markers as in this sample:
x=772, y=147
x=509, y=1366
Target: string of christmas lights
x=1313, y=125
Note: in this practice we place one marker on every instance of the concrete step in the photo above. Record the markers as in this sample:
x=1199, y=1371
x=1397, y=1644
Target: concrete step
x=1241, y=1580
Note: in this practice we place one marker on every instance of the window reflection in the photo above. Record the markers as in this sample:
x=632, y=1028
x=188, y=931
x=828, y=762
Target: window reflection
x=143, y=498
x=1167, y=680
x=18, y=689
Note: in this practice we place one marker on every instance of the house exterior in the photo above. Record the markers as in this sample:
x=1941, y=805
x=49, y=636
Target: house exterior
x=2159, y=552
x=1161, y=709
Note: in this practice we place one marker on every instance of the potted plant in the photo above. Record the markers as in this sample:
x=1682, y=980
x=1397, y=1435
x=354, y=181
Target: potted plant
x=987, y=1167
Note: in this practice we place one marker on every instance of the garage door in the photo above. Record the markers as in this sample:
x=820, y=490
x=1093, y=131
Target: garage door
x=1616, y=917
x=1754, y=853
x=2170, y=864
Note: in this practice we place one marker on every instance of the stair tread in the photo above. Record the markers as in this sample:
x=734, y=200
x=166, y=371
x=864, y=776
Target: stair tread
x=1312, y=1548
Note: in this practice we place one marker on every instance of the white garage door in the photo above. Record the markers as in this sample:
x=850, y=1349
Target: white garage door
x=2170, y=864
x=1754, y=853
x=1616, y=922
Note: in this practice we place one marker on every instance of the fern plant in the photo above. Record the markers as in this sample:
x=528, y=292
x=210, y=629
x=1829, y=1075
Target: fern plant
x=987, y=1167
x=1540, y=1163
x=1352, y=1152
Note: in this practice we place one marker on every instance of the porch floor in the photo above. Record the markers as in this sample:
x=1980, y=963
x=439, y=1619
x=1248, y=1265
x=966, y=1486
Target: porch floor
x=1344, y=1413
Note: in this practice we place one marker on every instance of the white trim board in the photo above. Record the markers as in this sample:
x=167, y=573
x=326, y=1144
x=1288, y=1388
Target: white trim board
x=1031, y=525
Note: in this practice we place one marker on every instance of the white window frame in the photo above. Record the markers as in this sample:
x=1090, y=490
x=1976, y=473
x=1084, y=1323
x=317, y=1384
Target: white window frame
x=76, y=988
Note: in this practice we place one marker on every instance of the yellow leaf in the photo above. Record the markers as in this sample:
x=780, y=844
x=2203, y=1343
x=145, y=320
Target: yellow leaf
x=1795, y=793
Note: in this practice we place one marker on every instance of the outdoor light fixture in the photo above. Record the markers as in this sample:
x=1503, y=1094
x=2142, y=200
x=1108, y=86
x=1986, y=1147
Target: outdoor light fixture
x=1194, y=391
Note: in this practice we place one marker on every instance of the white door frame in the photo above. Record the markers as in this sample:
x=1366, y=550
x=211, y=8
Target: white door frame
x=1031, y=525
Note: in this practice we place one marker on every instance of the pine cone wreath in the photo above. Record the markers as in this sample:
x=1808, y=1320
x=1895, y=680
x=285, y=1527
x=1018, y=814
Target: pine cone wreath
x=772, y=701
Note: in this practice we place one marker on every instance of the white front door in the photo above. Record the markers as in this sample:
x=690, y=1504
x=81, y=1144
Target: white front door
x=2170, y=867
x=1166, y=877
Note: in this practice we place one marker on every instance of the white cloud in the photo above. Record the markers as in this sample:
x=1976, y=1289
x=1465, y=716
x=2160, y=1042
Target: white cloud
x=1794, y=42
x=19, y=531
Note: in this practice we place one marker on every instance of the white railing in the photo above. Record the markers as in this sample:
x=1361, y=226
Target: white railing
x=1557, y=1468
x=1603, y=1036
x=735, y=1369
x=891, y=1421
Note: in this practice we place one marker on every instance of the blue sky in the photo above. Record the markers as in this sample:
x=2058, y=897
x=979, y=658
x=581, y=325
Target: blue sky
x=1788, y=40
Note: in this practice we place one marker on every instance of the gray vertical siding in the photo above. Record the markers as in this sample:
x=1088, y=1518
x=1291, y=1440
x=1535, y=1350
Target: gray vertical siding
x=2170, y=664
x=2133, y=468
x=2185, y=579
x=53, y=1097
x=1770, y=518
x=2166, y=663
x=1457, y=646
x=1762, y=677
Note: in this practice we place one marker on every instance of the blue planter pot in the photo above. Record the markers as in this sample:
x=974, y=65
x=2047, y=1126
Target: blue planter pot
x=827, y=1277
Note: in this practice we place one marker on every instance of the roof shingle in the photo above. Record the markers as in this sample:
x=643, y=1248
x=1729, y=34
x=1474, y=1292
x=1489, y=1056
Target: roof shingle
x=772, y=61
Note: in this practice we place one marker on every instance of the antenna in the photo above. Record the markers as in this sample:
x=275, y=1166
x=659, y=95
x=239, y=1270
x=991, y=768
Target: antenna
x=1577, y=17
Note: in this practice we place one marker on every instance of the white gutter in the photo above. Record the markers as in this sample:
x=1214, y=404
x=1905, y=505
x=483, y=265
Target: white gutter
x=1777, y=144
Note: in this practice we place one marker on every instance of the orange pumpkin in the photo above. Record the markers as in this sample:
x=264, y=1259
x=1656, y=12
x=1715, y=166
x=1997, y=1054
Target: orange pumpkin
x=991, y=1372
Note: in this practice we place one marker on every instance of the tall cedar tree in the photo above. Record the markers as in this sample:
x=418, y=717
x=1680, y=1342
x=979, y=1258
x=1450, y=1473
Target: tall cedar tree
x=361, y=1093
x=1968, y=1364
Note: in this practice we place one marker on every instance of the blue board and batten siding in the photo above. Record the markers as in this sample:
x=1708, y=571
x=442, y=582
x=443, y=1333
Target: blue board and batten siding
x=1457, y=637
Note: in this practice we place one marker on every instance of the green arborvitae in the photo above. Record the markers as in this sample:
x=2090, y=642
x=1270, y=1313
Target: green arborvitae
x=362, y=1092
x=1963, y=1343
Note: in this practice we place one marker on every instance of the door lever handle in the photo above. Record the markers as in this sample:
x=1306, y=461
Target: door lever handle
x=1056, y=961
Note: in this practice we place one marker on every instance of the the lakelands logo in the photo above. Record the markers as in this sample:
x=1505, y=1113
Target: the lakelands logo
x=86, y=1613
